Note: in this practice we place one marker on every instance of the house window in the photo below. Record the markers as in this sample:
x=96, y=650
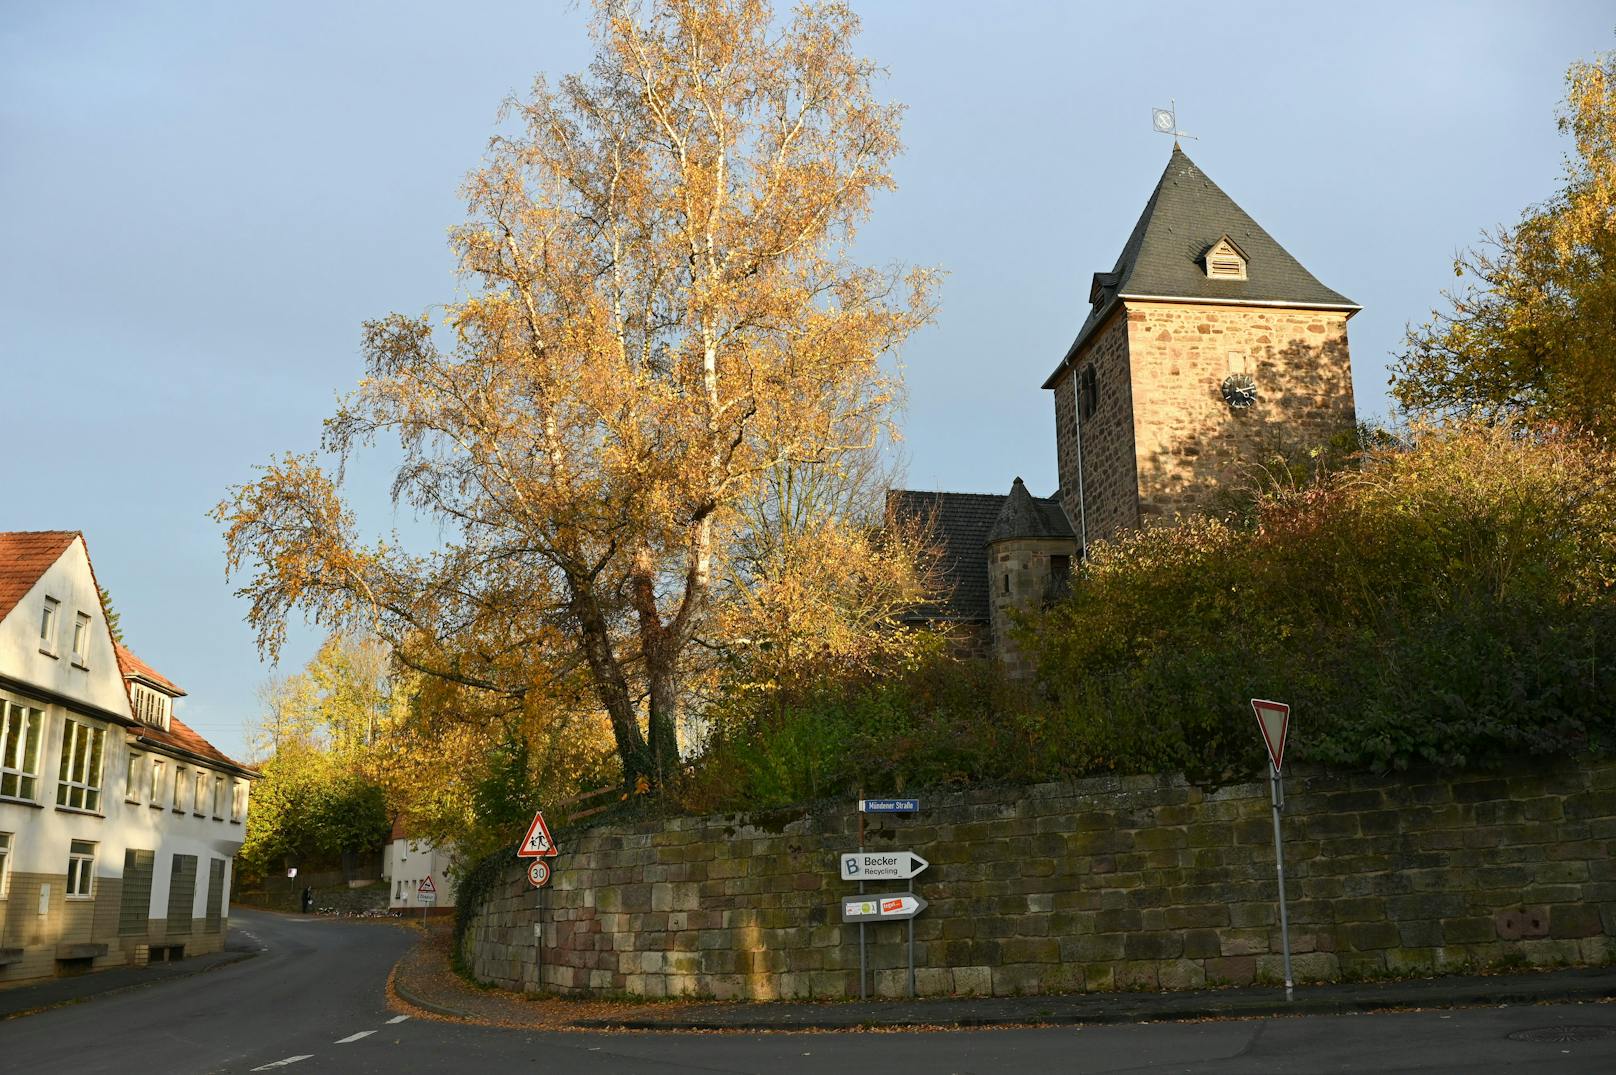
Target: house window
x=199, y=796
x=179, y=789
x=80, y=870
x=5, y=863
x=151, y=707
x=1088, y=392
x=238, y=800
x=47, y=626
x=134, y=776
x=81, y=639
x=78, y=785
x=157, y=767
x=19, y=751
x=218, y=798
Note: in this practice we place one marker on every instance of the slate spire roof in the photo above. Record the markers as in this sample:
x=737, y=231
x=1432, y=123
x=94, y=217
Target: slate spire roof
x=962, y=524
x=1186, y=215
x=1023, y=517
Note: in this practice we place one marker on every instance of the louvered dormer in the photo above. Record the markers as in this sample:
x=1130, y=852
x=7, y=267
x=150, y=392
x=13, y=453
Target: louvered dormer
x=1224, y=260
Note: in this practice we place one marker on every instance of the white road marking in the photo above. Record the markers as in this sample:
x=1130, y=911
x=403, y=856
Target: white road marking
x=397, y=1019
x=282, y=1063
x=353, y=1037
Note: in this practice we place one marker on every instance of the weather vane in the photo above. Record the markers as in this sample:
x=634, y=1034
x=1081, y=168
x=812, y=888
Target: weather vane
x=1165, y=121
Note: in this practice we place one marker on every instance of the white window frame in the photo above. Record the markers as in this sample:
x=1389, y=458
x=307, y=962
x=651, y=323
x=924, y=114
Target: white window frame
x=80, y=870
x=158, y=765
x=199, y=793
x=15, y=761
x=47, y=626
x=83, y=764
x=218, y=797
x=81, y=639
x=7, y=845
x=238, y=800
x=179, y=789
x=134, y=768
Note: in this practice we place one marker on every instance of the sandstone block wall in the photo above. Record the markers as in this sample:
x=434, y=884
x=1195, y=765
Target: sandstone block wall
x=1139, y=882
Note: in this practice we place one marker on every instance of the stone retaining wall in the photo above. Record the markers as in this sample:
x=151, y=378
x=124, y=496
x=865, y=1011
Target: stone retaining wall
x=1138, y=882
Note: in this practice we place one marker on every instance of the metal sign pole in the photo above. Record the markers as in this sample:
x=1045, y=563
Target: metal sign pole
x=1277, y=797
x=863, y=994
x=538, y=942
x=911, y=947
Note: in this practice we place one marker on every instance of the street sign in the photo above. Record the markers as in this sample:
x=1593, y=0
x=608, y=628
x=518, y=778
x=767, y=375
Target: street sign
x=881, y=865
x=426, y=891
x=537, y=842
x=1274, y=718
x=886, y=907
x=889, y=806
x=538, y=873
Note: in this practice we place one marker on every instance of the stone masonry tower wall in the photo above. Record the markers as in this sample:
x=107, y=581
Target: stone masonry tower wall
x=1110, y=483
x=1188, y=441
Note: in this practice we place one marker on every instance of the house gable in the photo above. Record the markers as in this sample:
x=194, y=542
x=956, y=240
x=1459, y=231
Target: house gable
x=88, y=677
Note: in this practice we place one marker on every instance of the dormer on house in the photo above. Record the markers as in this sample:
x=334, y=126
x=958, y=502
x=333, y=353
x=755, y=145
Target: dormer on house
x=1224, y=260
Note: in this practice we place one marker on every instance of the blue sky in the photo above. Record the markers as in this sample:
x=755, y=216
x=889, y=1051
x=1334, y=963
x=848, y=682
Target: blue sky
x=199, y=204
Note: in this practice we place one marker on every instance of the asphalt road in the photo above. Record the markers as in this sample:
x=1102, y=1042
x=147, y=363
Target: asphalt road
x=313, y=1001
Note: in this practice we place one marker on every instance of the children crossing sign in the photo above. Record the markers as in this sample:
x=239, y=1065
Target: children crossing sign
x=537, y=843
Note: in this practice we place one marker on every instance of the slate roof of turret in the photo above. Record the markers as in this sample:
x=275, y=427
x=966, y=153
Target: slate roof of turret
x=1187, y=213
x=1023, y=517
x=962, y=525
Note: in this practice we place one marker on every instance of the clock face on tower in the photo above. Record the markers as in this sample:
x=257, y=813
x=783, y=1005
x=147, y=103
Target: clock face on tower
x=1239, y=391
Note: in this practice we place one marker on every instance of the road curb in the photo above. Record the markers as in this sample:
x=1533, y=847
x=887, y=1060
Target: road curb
x=126, y=987
x=415, y=1001
x=1154, y=1010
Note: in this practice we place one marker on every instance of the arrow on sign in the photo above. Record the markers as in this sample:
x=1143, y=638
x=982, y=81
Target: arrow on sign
x=887, y=907
x=881, y=865
x=1274, y=718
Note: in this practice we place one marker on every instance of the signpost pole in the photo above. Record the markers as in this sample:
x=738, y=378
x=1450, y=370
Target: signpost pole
x=1277, y=797
x=863, y=994
x=911, y=947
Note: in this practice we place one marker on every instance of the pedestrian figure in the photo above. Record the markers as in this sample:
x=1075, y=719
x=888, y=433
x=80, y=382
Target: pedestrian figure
x=308, y=899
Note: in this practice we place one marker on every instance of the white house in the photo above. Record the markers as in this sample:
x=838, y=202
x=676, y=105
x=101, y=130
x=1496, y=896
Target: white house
x=406, y=862
x=118, y=824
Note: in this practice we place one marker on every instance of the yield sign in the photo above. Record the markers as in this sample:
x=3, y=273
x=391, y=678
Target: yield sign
x=537, y=842
x=1274, y=718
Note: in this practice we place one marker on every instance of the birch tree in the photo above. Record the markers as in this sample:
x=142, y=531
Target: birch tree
x=660, y=310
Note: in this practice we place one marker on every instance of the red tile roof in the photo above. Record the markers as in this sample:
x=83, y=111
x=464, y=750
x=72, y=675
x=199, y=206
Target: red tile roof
x=25, y=555
x=130, y=665
x=179, y=736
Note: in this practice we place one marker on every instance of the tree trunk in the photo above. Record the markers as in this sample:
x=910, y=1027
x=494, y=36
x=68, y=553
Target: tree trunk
x=664, y=746
x=611, y=687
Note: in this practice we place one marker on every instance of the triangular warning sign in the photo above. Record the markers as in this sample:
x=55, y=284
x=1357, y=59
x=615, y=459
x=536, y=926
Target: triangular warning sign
x=1274, y=718
x=426, y=885
x=537, y=843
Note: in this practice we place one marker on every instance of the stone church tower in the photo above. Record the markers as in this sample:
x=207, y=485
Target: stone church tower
x=1205, y=348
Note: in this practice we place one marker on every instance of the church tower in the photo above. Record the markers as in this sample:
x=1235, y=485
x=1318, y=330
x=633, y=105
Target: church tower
x=1206, y=347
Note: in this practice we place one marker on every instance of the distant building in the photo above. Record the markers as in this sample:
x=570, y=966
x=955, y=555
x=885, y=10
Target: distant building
x=1204, y=348
x=118, y=824
x=406, y=862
